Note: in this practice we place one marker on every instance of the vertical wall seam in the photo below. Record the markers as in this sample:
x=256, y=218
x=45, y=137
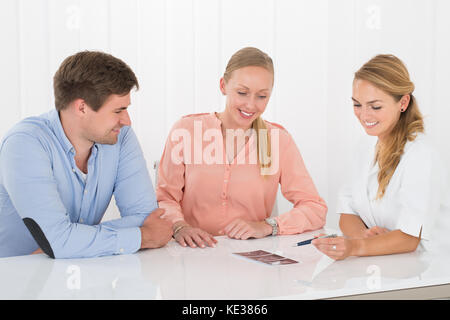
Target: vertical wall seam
x=194, y=64
x=355, y=33
x=108, y=22
x=166, y=127
x=80, y=26
x=434, y=56
x=138, y=60
x=50, y=56
x=219, y=47
x=326, y=93
x=19, y=52
x=274, y=54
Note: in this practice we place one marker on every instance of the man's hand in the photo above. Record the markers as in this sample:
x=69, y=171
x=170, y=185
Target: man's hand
x=155, y=231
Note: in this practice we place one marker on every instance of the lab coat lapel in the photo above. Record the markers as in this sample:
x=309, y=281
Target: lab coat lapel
x=369, y=170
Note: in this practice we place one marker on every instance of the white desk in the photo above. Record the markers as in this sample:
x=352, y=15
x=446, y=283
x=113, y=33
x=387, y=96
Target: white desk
x=174, y=272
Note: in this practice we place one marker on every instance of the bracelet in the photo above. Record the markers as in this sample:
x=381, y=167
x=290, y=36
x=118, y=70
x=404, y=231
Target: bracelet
x=177, y=229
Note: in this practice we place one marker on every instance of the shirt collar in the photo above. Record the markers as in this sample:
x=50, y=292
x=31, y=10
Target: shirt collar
x=57, y=128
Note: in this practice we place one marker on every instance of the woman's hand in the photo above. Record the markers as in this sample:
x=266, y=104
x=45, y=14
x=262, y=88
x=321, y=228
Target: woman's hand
x=243, y=230
x=193, y=237
x=337, y=248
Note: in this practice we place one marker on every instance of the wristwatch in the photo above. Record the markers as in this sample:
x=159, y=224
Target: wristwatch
x=273, y=223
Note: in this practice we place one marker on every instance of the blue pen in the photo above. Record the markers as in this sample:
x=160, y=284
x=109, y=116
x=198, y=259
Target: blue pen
x=302, y=243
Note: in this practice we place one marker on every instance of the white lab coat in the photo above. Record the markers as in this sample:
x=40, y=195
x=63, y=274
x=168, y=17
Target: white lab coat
x=416, y=198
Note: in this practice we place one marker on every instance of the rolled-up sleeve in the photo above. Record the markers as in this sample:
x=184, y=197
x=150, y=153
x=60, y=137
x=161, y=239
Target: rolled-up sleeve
x=133, y=188
x=354, y=177
x=417, y=194
x=171, y=175
x=344, y=200
x=28, y=178
x=309, y=211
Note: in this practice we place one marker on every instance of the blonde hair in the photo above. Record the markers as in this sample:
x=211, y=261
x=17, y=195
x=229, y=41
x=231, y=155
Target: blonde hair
x=247, y=57
x=388, y=73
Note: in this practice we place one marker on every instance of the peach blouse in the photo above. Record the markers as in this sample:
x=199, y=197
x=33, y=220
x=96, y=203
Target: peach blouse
x=197, y=184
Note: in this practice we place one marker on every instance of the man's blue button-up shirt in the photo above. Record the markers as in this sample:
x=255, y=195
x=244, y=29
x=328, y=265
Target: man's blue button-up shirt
x=40, y=184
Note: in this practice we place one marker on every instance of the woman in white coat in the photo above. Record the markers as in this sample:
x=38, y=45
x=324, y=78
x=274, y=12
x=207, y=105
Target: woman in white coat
x=397, y=190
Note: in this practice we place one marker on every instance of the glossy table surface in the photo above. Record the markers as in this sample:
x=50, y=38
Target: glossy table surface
x=174, y=272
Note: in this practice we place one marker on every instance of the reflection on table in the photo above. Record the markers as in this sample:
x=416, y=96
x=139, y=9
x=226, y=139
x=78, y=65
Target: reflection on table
x=175, y=272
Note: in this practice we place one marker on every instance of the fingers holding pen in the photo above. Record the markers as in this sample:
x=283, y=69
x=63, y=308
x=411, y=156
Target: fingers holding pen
x=337, y=248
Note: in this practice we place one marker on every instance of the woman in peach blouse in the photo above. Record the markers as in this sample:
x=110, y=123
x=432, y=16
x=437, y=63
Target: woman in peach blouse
x=219, y=172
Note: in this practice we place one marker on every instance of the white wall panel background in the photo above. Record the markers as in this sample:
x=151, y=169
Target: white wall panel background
x=179, y=49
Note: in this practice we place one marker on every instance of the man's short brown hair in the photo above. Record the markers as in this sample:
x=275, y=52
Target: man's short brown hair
x=92, y=76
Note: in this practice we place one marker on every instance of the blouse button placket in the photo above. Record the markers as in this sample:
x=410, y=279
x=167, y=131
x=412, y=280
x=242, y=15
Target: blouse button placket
x=226, y=179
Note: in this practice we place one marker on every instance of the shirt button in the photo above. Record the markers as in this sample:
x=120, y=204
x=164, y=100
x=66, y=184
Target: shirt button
x=81, y=220
x=121, y=250
x=224, y=203
x=73, y=169
x=85, y=191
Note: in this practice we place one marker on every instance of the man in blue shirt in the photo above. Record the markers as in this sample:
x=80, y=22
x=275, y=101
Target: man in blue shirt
x=58, y=171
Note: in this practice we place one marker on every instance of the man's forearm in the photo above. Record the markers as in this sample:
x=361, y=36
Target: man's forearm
x=126, y=222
